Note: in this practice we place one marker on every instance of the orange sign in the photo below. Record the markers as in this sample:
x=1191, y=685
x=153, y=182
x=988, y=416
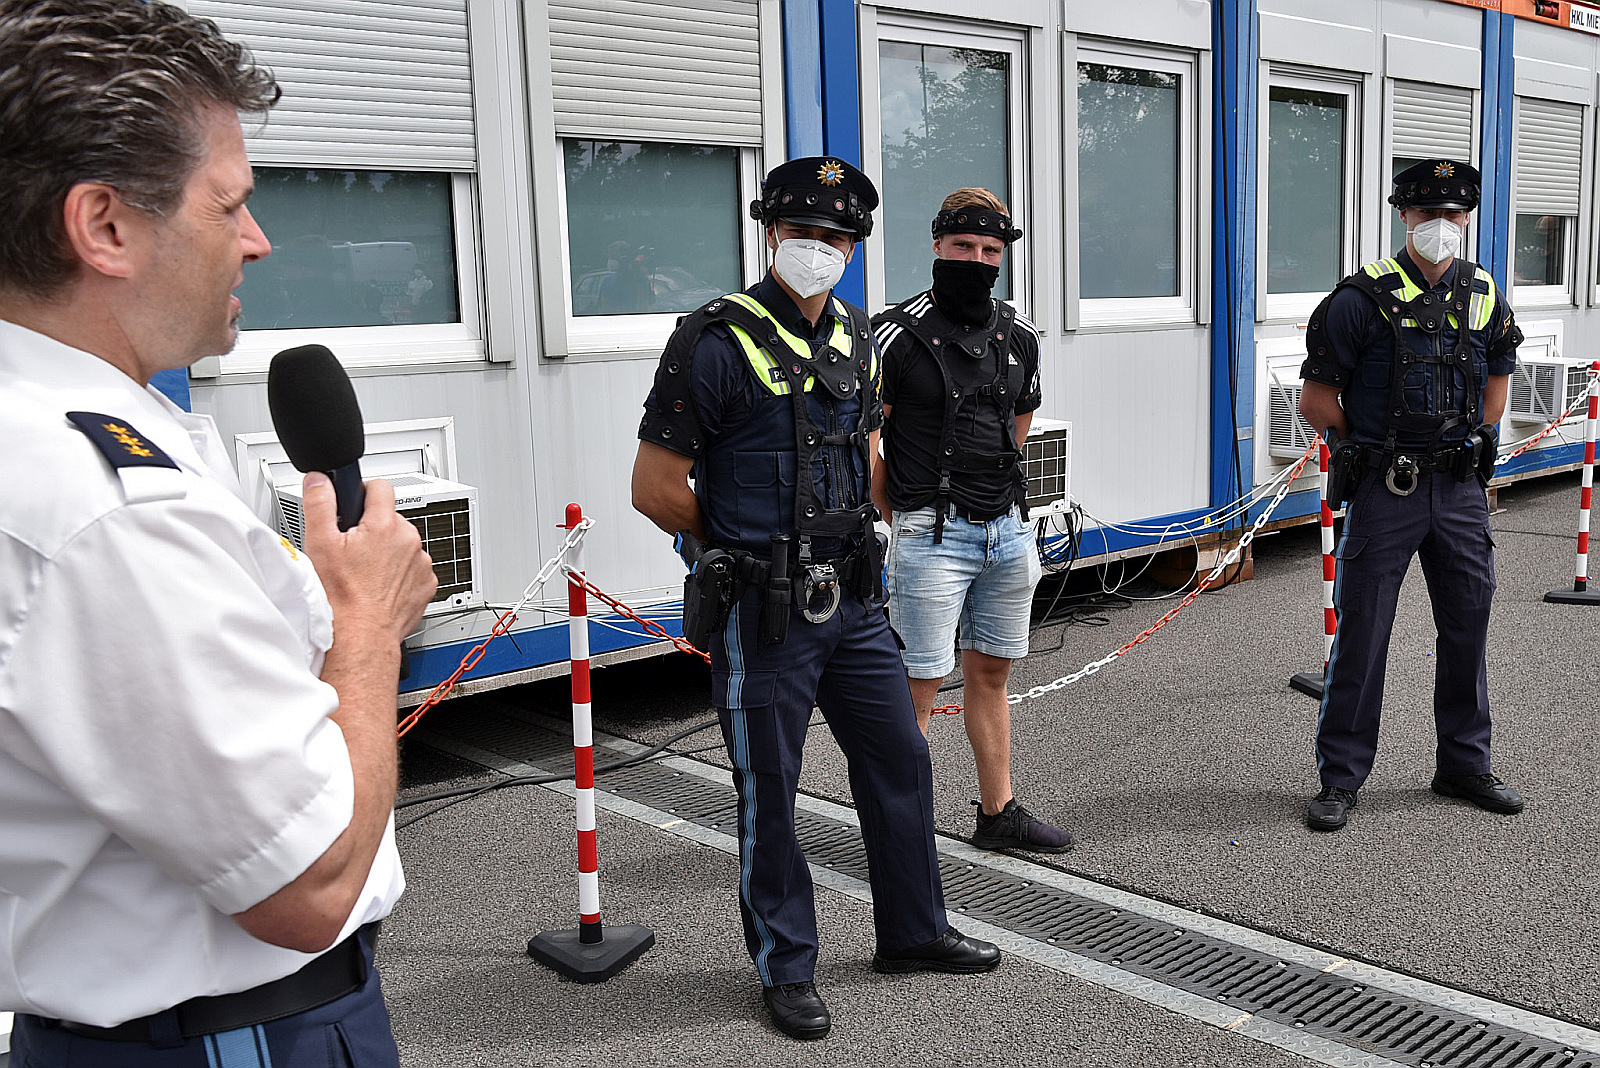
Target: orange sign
x=1582, y=17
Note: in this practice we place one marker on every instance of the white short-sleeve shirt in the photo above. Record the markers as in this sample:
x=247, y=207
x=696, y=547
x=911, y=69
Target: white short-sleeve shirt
x=166, y=753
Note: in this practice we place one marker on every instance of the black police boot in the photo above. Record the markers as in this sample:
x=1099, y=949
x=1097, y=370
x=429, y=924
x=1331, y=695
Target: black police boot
x=797, y=1010
x=1486, y=791
x=1329, y=809
x=951, y=952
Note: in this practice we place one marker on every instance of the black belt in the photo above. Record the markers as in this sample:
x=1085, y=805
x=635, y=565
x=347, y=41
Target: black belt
x=338, y=972
x=752, y=570
x=1444, y=459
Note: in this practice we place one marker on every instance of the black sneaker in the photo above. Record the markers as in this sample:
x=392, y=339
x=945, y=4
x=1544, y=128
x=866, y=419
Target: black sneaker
x=1329, y=809
x=1486, y=791
x=1014, y=827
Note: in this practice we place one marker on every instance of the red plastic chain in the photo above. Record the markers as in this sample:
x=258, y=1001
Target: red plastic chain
x=650, y=626
x=468, y=662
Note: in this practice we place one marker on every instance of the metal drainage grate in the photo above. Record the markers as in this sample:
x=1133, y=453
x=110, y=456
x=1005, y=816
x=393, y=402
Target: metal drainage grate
x=1336, y=1008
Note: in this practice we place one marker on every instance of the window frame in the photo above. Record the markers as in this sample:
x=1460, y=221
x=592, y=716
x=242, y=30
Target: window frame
x=1565, y=294
x=1182, y=308
x=930, y=30
x=613, y=334
x=377, y=346
x=1299, y=305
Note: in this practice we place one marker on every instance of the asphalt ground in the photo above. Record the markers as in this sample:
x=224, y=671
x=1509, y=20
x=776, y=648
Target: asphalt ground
x=1183, y=769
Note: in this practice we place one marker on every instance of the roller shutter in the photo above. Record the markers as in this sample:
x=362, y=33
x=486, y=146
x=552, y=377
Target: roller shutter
x=1549, y=157
x=645, y=70
x=1430, y=121
x=366, y=83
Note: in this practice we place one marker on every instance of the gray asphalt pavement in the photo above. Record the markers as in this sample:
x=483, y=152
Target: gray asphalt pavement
x=1183, y=769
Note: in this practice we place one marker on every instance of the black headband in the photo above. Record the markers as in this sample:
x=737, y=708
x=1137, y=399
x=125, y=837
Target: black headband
x=975, y=220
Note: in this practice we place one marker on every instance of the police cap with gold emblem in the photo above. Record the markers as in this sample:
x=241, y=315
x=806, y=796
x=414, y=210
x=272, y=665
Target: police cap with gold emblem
x=817, y=191
x=1437, y=183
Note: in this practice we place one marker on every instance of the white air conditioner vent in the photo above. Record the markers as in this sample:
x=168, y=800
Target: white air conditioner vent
x=445, y=513
x=1289, y=435
x=1544, y=387
x=1047, y=465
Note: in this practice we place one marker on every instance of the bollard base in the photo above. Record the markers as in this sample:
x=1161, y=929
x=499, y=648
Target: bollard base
x=1573, y=597
x=594, y=962
x=1307, y=683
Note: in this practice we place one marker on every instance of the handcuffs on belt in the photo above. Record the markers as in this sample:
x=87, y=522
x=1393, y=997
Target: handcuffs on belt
x=1403, y=467
x=819, y=586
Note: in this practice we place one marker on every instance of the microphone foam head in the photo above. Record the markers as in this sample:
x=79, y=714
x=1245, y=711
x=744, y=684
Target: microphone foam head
x=314, y=409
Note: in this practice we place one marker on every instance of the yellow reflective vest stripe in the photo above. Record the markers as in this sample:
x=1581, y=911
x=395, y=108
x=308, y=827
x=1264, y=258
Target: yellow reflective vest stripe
x=765, y=363
x=1479, y=309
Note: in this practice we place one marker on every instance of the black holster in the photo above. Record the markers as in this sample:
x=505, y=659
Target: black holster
x=1478, y=455
x=1346, y=461
x=777, y=595
x=708, y=590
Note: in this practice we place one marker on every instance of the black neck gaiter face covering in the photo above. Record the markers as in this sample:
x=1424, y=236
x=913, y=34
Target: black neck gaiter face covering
x=961, y=290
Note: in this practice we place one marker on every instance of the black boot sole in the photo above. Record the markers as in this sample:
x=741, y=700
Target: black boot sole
x=890, y=966
x=1485, y=803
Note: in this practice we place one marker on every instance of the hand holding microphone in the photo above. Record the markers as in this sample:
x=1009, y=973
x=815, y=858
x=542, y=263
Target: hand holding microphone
x=368, y=556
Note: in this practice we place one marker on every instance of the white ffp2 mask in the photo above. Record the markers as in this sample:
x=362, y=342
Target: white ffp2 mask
x=1436, y=240
x=810, y=267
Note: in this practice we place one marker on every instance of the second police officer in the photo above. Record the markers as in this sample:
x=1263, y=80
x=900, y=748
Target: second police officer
x=1408, y=362
x=769, y=400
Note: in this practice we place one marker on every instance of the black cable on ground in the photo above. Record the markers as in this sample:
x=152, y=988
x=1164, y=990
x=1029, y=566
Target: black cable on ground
x=466, y=793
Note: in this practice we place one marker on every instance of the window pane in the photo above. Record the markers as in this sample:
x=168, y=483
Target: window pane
x=1128, y=195
x=351, y=248
x=1541, y=250
x=1305, y=190
x=946, y=123
x=651, y=228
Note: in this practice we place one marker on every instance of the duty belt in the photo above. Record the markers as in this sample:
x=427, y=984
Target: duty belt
x=1402, y=469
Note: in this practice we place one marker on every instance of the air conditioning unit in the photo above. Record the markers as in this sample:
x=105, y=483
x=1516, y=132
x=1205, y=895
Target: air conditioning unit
x=1288, y=433
x=445, y=513
x=1542, y=387
x=1047, y=465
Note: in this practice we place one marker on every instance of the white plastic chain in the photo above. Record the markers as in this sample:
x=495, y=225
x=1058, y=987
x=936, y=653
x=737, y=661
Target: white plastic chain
x=558, y=562
x=1227, y=562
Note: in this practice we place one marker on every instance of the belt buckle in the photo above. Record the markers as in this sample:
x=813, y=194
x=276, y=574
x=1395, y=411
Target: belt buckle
x=1403, y=467
x=819, y=585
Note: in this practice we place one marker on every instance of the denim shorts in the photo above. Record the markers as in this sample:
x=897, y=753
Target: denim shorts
x=980, y=576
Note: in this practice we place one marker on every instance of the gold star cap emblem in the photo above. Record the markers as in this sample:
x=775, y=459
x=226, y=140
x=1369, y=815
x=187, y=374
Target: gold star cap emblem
x=831, y=172
x=1444, y=170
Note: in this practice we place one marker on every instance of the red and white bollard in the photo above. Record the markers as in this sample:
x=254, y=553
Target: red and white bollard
x=589, y=954
x=1305, y=681
x=1580, y=592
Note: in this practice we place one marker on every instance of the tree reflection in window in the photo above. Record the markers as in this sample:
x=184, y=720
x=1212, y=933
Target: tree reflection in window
x=351, y=248
x=1305, y=190
x=1128, y=195
x=651, y=228
x=946, y=125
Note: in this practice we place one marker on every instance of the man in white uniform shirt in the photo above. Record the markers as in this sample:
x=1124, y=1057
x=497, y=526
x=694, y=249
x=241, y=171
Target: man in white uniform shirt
x=197, y=748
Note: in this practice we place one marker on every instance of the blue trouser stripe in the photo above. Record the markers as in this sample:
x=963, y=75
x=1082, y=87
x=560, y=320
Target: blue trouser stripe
x=244, y=1048
x=732, y=642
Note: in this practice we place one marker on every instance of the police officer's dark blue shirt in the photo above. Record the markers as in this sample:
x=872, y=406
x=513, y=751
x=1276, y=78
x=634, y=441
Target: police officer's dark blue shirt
x=744, y=474
x=1359, y=346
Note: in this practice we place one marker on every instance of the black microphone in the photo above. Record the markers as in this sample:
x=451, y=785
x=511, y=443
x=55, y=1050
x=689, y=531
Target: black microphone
x=318, y=421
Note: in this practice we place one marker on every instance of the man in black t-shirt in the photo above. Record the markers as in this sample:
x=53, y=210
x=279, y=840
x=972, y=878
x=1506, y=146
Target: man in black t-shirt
x=960, y=385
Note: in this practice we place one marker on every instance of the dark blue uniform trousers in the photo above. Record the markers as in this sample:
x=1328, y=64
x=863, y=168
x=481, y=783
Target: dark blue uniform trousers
x=850, y=668
x=1446, y=524
x=350, y=1032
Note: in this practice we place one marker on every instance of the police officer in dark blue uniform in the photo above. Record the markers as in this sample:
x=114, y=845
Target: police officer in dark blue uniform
x=1407, y=364
x=770, y=400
